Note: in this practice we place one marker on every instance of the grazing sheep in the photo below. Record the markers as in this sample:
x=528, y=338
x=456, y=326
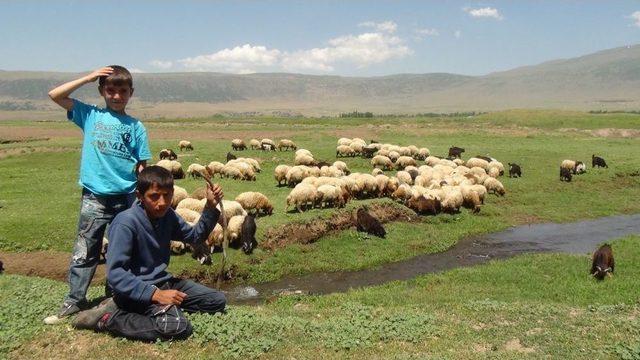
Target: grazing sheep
x=215, y=237
x=301, y=196
x=267, y=144
x=185, y=145
x=251, y=200
x=602, y=263
x=404, y=177
x=238, y=144
x=576, y=167
x=344, y=141
x=382, y=161
x=598, y=161
x=376, y=172
x=179, y=194
x=514, y=170
x=188, y=215
x=173, y=166
x=394, y=155
x=231, y=208
x=422, y=154
x=342, y=166
x=234, y=229
x=402, y=193
x=357, y=147
x=498, y=165
x=248, y=234
x=286, y=144
x=295, y=175
x=455, y=152
x=330, y=196
x=471, y=199
x=432, y=160
x=167, y=154
x=453, y=200
x=404, y=161
x=304, y=159
x=476, y=162
x=197, y=170
x=424, y=206
x=192, y=204
x=481, y=190
x=253, y=162
x=366, y=222
x=254, y=144
x=494, y=172
x=565, y=174
x=300, y=152
x=494, y=186
x=344, y=150
x=280, y=174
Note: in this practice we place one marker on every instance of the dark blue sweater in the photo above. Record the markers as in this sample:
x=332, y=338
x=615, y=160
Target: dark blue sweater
x=138, y=254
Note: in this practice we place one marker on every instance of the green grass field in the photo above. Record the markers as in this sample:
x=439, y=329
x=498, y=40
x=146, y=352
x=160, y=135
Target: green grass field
x=531, y=306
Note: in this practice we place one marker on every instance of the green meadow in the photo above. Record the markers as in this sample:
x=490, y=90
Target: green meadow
x=531, y=306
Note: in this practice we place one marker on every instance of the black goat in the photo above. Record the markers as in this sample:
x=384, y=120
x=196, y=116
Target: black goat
x=201, y=253
x=455, y=152
x=514, y=170
x=167, y=154
x=598, y=161
x=230, y=156
x=565, y=174
x=249, y=234
x=602, y=263
x=368, y=223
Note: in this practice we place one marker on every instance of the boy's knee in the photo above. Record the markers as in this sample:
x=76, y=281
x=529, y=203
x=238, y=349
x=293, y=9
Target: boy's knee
x=172, y=324
x=216, y=302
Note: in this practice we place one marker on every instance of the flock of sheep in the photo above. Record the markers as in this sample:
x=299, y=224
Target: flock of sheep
x=421, y=181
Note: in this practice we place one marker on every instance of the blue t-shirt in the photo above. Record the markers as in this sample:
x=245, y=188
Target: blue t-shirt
x=112, y=146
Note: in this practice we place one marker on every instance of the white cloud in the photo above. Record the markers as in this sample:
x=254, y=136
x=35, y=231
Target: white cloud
x=240, y=59
x=457, y=34
x=386, y=26
x=636, y=17
x=486, y=12
x=161, y=64
x=361, y=50
x=358, y=50
x=427, y=32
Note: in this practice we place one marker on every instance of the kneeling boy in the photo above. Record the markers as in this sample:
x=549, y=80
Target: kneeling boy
x=148, y=301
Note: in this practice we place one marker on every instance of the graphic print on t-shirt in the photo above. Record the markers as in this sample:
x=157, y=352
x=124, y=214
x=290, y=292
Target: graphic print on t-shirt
x=112, y=139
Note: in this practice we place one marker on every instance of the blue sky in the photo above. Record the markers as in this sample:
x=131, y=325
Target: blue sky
x=348, y=38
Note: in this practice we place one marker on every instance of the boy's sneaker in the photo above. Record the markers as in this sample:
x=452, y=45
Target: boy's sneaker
x=65, y=311
x=88, y=319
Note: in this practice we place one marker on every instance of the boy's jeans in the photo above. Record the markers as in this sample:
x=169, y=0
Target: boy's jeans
x=96, y=212
x=150, y=322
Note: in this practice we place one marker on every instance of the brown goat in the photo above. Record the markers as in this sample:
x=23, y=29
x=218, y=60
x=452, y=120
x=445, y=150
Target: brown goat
x=368, y=223
x=602, y=264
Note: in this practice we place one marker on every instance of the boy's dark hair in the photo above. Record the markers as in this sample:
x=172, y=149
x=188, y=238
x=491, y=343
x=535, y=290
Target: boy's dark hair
x=154, y=174
x=120, y=76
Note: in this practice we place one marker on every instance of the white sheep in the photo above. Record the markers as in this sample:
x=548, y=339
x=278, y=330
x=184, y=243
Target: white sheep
x=342, y=166
x=304, y=159
x=238, y=144
x=453, y=199
x=197, y=170
x=301, y=196
x=185, y=145
x=376, y=172
x=404, y=177
x=254, y=144
x=280, y=173
x=494, y=186
x=286, y=144
x=329, y=195
x=404, y=161
x=344, y=141
x=303, y=152
x=432, y=160
x=252, y=200
x=192, y=204
x=344, y=150
x=576, y=167
x=423, y=153
x=477, y=162
x=231, y=208
x=382, y=161
x=234, y=228
x=179, y=194
x=188, y=215
x=214, y=168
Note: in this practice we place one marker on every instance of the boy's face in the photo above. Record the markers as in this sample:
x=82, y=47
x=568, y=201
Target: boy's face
x=156, y=200
x=116, y=96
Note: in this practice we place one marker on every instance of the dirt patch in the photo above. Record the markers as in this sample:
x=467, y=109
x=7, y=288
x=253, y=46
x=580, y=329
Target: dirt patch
x=21, y=140
x=308, y=232
x=5, y=153
x=47, y=264
x=23, y=132
x=514, y=345
x=615, y=133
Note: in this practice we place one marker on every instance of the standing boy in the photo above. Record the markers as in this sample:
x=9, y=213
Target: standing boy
x=114, y=149
x=147, y=301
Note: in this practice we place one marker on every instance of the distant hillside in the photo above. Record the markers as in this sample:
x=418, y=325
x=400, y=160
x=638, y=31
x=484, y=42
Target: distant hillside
x=607, y=79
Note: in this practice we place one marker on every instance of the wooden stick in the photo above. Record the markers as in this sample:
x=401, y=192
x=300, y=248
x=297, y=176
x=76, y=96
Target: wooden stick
x=225, y=240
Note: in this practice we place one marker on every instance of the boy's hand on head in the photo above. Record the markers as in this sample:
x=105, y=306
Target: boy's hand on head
x=168, y=297
x=214, y=195
x=105, y=71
